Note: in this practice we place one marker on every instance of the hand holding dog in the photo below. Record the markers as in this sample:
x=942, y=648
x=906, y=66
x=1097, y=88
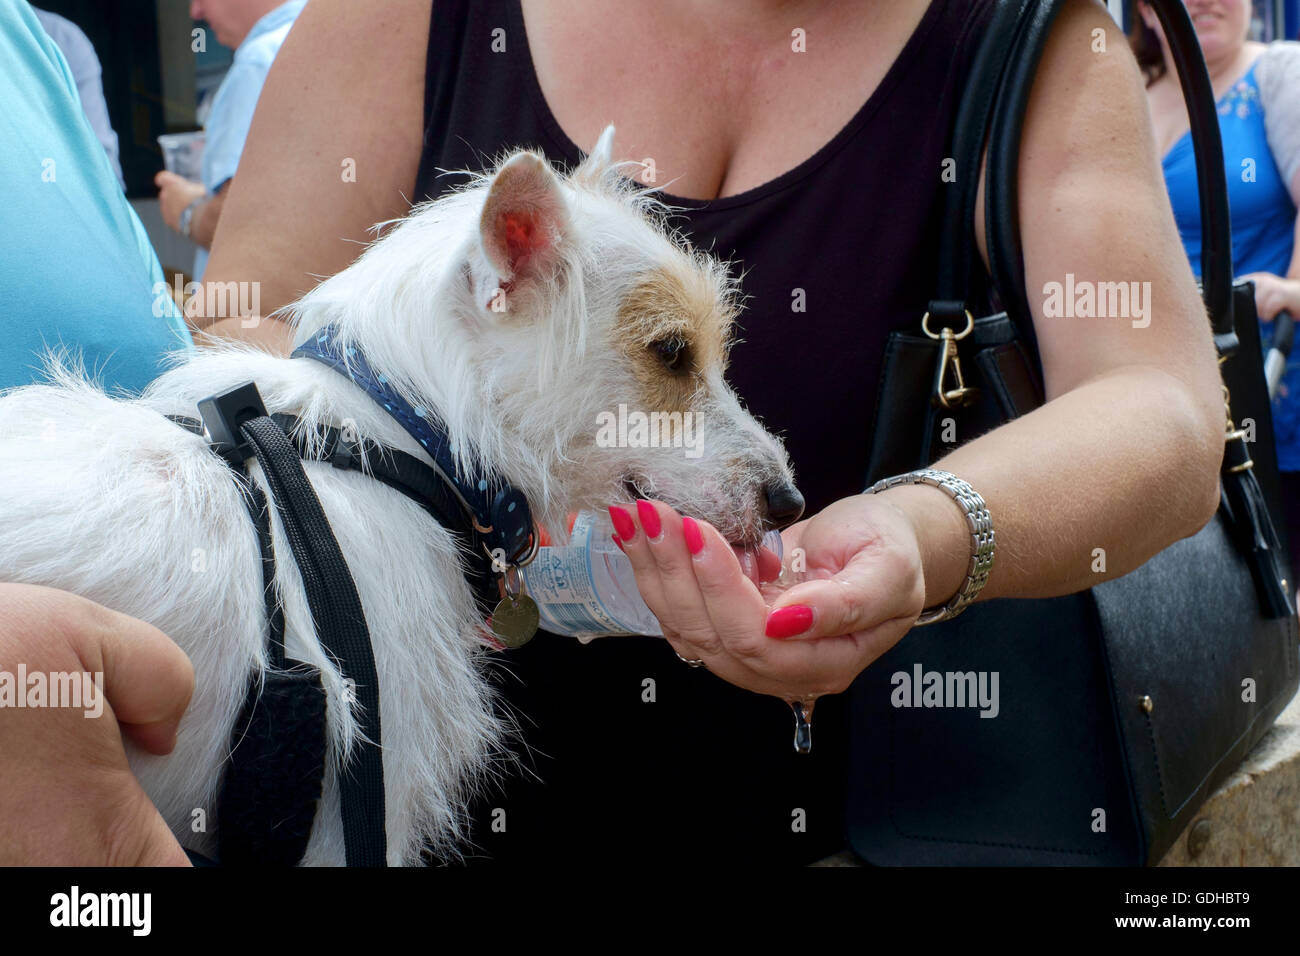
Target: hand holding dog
x=862, y=590
x=70, y=797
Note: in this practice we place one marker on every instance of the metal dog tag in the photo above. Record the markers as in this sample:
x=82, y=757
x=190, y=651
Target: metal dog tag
x=515, y=620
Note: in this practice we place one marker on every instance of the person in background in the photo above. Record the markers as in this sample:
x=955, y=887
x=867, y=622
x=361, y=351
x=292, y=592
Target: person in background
x=254, y=29
x=1257, y=86
x=76, y=271
x=86, y=71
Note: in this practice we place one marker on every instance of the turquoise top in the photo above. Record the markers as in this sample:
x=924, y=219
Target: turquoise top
x=1263, y=227
x=76, y=267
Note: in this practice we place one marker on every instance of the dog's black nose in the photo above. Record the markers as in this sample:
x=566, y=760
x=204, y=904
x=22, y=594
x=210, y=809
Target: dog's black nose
x=784, y=505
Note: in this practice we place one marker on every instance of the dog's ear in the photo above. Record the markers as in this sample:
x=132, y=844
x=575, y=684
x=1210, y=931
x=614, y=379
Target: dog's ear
x=524, y=220
x=601, y=155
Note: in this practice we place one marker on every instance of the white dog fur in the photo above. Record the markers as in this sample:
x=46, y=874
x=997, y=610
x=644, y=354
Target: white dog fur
x=505, y=308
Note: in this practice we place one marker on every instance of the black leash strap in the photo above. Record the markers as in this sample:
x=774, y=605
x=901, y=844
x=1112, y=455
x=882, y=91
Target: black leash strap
x=406, y=474
x=275, y=773
x=397, y=469
x=273, y=781
x=258, y=510
x=341, y=624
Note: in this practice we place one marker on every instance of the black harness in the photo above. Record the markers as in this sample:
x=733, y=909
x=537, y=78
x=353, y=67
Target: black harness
x=274, y=776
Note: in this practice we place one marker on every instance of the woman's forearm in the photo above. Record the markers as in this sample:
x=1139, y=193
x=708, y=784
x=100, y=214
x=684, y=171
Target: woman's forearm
x=1083, y=489
x=273, y=335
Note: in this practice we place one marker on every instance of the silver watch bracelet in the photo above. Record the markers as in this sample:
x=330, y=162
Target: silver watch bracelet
x=978, y=521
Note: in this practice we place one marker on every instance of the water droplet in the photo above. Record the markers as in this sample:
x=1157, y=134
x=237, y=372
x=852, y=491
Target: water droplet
x=803, y=711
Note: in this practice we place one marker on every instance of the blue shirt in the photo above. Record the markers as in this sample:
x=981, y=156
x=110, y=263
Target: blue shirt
x=236, y=99
x=76, y=267
x=1263, y=227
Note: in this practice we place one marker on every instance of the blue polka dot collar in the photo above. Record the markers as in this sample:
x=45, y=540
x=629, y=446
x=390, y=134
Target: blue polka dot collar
x=500, y=511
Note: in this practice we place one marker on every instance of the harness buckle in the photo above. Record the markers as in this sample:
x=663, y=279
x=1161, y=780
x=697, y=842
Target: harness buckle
x=224, y=415
x=345, y=453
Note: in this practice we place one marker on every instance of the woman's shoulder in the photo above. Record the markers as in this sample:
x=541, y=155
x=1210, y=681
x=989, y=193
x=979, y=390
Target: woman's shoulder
x=1277, y=74
x=1277, y=67
x=1280, y=49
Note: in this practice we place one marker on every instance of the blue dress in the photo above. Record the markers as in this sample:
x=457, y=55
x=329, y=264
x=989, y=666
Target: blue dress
x=1263, y=226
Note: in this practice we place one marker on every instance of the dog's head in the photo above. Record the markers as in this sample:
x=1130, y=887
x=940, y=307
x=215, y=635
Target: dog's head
x=580, y=346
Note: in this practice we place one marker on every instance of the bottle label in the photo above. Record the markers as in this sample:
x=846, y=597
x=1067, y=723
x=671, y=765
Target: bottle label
x=568, y=582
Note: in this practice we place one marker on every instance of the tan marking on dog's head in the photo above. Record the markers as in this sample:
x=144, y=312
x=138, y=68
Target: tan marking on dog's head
x=674, y=325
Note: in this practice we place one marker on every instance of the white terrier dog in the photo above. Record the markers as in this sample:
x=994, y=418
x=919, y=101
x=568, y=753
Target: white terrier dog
x=518, y=310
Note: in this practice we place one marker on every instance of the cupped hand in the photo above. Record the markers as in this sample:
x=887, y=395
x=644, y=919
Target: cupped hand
x=854, y=587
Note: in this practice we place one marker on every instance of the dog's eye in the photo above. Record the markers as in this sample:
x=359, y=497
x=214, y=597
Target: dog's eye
x=672, y=352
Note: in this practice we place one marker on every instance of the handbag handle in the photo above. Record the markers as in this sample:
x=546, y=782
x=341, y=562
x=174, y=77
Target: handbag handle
x=1241, y=494
x=1002, y=221
x=956, y=256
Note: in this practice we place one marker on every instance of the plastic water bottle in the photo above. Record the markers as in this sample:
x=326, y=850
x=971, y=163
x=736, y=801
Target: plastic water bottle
x=588, y=589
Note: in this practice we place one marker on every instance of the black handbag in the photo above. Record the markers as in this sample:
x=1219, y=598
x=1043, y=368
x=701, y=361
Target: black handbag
x=1122, y=707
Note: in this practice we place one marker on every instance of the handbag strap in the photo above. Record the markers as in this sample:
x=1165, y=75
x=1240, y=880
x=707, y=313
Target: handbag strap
x=1001, y=204
x=957, y=258
x=1211, y=174
x=1001, y=183
x=1241, y=495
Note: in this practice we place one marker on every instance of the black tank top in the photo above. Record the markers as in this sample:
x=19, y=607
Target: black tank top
x=705, y=770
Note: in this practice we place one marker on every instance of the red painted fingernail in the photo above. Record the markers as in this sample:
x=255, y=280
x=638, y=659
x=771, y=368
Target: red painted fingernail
x=649, y=518
x=614, y=538
x=789, y=621
x=623, y=522
x=691, y=532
